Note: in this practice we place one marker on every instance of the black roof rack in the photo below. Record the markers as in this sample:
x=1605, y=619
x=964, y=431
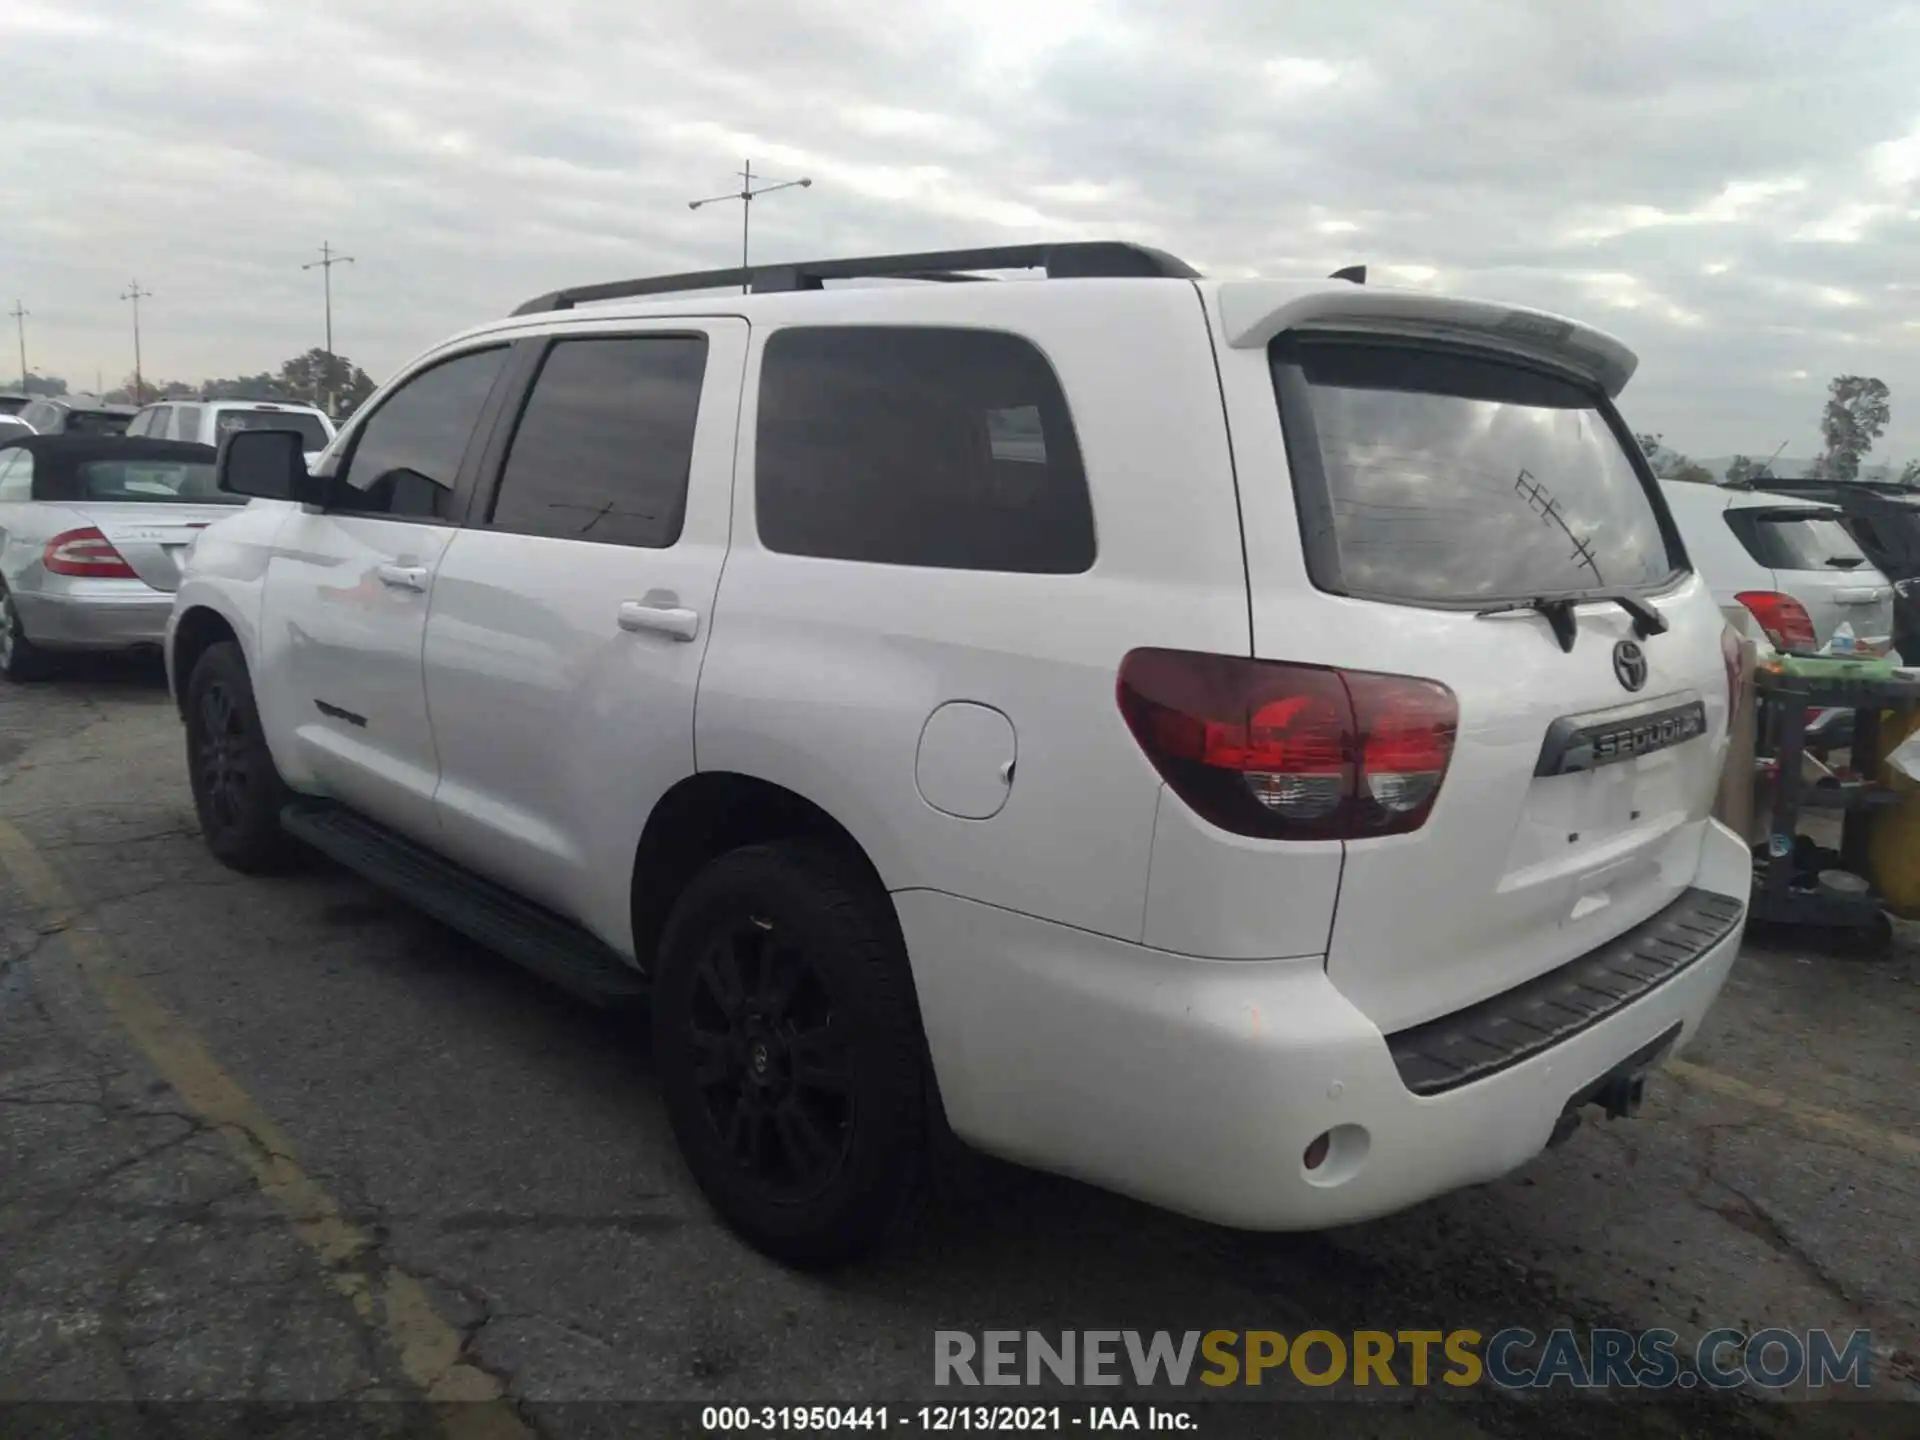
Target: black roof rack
x=1076, y=260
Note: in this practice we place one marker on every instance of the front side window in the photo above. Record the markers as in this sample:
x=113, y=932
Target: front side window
x=605, y=444
x=407, y=455
x=1427, y=475
x=915, y=445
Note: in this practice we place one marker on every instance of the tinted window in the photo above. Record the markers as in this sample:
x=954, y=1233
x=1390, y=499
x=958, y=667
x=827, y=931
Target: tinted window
x=407, y=455
x=313, y=434
x=919, y=446
x=1804, y=542
x=603, y=447
x=96, y=422
x=13, y=404
x=1432, y=475
x=152, y=480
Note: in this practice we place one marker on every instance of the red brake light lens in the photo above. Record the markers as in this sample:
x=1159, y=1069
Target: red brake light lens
x=85, y=553
x=1784, y=619
x=1290, y=752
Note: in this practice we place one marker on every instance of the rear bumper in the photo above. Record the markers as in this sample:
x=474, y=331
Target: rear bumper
x=95, y=615
x=1197, y=1085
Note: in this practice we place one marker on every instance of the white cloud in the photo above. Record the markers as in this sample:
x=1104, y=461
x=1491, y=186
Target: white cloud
x=1298, y=73
x=1668, y=174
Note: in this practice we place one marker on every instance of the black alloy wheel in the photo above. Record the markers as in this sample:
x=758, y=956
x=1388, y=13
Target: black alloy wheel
x=787, y=1039
x=237, y=792
x=771, y=1063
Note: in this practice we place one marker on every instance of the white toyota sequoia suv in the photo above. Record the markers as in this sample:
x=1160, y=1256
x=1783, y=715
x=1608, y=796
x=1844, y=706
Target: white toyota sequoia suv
x=1246, y=744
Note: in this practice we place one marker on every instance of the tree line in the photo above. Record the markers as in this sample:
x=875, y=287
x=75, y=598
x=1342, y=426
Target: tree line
x=329, y=382
x=1856, y=414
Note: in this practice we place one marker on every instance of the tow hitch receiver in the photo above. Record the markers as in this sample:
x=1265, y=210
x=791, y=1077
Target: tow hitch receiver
x=1619, y=1093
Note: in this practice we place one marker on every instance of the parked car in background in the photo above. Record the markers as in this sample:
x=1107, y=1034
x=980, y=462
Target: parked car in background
x=206, y=422
x=12, y=427
x=1884, y=519
x=1788, y=560
x=1139, y=719
x=76, y=415
x=91, y=532
x=12, y=402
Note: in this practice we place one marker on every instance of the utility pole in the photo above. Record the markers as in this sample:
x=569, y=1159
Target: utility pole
x=19, y=314
x=136, y=295
x=329, y=257
x=746, y=195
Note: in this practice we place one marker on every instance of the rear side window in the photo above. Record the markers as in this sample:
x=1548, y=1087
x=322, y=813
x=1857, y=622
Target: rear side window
x=943, y=448
x=1801, y=542
x=313, y=434
x=155, y=481
x=96, y=422
x=605, y=444
x=1437, y=476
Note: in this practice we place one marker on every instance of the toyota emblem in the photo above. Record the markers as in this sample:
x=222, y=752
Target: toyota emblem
x=1630, y=664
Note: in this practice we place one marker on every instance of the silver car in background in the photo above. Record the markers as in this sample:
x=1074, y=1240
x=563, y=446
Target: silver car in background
x=92, y=530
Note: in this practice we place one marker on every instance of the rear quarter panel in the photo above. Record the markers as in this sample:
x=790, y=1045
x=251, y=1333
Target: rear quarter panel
x=822, y=674
x=25, y=528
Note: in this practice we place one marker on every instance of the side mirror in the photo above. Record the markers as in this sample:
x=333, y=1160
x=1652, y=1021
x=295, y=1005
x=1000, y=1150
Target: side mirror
x=267, y=465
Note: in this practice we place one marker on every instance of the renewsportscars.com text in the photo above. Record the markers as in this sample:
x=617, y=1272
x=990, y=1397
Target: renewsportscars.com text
x=1514, y=1358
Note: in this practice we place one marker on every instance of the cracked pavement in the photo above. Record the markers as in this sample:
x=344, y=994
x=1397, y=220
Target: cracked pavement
x=504, y=1152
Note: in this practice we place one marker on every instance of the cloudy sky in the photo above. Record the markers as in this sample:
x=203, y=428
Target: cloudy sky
x=1729, y=185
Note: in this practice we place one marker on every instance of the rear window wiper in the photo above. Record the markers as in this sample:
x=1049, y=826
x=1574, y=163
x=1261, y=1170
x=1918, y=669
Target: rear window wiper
x=1558, y=611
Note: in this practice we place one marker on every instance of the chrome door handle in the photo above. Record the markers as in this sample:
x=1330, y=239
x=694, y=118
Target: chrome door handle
x=402, y=577
x=674, y=620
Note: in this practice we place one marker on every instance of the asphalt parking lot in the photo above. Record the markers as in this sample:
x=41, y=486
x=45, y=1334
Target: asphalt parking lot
x=284, y=1140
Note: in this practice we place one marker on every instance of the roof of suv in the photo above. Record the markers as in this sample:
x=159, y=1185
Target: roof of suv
x=1726, y=497
x=1252, y=312
x=90, y=402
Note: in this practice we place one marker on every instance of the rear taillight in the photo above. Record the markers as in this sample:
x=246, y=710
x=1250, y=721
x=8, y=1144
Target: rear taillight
x=1291, y=752
x=86, y=552
x=1730, y=657
x=1784, y=619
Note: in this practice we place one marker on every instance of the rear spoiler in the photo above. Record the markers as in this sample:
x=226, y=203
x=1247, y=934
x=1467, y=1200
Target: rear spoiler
x=1252, y=312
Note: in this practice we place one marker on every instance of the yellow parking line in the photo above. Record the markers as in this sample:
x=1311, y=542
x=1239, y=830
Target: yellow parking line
x=1831, y=1122
x=398, y=1304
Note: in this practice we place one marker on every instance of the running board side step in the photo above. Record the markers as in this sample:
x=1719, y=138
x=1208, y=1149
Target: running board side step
x=554, y=949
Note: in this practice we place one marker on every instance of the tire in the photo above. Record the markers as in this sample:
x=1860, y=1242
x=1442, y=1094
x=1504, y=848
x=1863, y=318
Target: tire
x=787, y=1039
x=237, y=792
x=20, y=658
